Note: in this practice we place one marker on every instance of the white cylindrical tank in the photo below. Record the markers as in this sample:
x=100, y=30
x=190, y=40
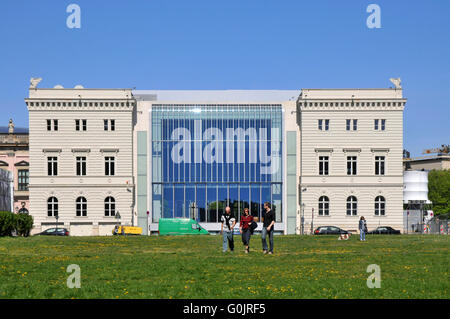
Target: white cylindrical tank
x=415, y=186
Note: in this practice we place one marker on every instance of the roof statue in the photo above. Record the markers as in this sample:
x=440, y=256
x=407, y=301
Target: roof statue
x=34, y=82
x=397, y=82
x=10, y=126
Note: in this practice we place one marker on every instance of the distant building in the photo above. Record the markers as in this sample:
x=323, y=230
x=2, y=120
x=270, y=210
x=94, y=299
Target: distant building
x=14, y=157
x=427, y=163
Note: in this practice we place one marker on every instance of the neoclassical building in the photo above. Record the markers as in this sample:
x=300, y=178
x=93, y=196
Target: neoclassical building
x=99, y=157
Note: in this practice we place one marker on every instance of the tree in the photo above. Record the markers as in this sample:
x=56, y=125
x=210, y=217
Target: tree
x=439, y=191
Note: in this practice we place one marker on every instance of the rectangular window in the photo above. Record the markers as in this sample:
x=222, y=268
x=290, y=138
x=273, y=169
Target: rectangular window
x=327, y=125
x=113, y=125
x=52, y=166
x=109, y=166
x=355, y=125
x=320, y=125
x=105, y=125
x=55, y=125
x=49, y=125
x=323, y=165
x=22, y=179
x=81, y=166
x=376, y=124
x=77, y=125
x=351, y=165
x=379, y=165
x=347, y=125
x=383, y=125
x=84, y=125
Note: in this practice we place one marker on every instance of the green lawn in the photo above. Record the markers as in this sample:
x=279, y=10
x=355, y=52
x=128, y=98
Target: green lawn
x=412, y=266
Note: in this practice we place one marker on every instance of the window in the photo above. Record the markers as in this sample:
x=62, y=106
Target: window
x=377, y=126
x=52, y=166
x=81, y=206
x=324, y=206
x=379, y=165
x=352, y=206
x=349, y=126
x=323, y=165
x=81, y=166
x=49, y=125
x=55, y=125
x=22, y=179
x=320, y=125
x=380, y=206
x=52, y=207
x=109, y=166
x=77, y=125
x=84, y=125
x=111, y=126
x=110, y=206
x=351, y=165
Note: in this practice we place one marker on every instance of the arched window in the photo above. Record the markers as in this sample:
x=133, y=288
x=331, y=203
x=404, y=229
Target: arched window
x=380, y=206
x=324, y=206
x=352, y=206
x=81, y=206
x=52, y=207
x=110, y=206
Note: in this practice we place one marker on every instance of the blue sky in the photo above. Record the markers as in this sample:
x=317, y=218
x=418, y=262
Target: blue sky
x=233, y=44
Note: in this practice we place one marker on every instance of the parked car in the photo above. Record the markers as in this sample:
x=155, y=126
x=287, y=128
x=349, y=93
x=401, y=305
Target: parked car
x=384, y=230
x=55, y=232
x=329, y=230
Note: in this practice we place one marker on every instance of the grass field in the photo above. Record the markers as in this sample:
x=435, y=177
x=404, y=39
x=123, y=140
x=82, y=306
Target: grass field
x=412, y=266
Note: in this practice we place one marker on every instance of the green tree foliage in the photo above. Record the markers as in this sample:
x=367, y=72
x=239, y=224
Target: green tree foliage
x=6, y=223
x=439, y=191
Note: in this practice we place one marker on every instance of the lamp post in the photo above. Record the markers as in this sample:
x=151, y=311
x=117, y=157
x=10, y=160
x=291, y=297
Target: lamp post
x=302, y=219
x=56, y=217
x=312, y=222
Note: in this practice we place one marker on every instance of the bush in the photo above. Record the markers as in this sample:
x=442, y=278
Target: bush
x=24, y=223
x=21, y=223
x=7, y=223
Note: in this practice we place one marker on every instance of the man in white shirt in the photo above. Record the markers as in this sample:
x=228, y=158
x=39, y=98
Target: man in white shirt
x=226, y=229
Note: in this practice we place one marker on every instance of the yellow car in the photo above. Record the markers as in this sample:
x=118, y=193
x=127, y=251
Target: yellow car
x=127, y=230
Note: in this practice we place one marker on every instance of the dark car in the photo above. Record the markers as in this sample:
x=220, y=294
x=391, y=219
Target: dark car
x=329, y=230
x=55, y=232
x=384, y=230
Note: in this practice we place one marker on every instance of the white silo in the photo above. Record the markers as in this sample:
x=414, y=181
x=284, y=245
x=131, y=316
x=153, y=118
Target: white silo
x=415, y=186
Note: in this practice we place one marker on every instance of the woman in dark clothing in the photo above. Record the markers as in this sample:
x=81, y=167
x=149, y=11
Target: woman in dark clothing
x=244, y=228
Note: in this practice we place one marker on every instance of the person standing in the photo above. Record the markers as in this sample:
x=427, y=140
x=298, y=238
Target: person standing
x=362, y=229
x=268, y=226
x=226, y=229
x=244, y=228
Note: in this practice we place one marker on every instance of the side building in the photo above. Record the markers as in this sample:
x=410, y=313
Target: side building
x=81, y=158
x=351, y=157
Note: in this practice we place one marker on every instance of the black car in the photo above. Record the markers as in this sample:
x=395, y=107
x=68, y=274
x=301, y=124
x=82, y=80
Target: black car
x=384, y=230
x=55, y=232
x=329, y=230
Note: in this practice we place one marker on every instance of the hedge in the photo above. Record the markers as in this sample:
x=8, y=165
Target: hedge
x=20, y=223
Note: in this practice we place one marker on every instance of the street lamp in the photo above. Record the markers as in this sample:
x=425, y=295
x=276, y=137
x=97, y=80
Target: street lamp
x=302, y=219
x=56, y=217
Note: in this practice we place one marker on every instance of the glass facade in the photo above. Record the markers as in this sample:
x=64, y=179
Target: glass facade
x=205, y=157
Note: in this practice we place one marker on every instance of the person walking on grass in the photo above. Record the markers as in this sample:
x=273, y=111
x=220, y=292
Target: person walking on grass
x=226, y=229
x=362, y=229
x=244, y=228
x=268, y=226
